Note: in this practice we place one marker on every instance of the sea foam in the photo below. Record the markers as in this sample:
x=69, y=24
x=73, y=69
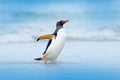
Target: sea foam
x=30, y=34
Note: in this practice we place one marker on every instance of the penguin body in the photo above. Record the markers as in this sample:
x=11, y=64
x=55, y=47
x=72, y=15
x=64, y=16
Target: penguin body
x=55, y=44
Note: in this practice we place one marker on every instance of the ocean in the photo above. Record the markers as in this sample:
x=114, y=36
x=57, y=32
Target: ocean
x=91, y=51
x=42, y=72
x=24, y=21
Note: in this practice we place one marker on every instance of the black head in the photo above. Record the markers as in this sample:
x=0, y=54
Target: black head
x=61, y=23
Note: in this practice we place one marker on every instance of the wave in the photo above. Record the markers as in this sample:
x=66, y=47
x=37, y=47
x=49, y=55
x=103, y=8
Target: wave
x=24, y=24
x=104, y=35
x=30, y=35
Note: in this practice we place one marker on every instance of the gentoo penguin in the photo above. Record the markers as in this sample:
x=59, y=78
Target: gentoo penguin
x=55, y=43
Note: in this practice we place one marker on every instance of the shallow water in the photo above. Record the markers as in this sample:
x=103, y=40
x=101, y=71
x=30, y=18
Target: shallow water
x=56, y=72
x=78, y=61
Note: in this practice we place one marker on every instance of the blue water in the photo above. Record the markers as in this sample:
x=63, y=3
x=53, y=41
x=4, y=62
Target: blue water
x=92, y=60
x=56, y=72
x=22, y=21
x=89, y=19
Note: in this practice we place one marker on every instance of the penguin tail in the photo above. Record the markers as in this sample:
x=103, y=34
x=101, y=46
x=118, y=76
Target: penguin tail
x=38, y=59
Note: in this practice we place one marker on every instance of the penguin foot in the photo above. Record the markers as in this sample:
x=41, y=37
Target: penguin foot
x=44, y=59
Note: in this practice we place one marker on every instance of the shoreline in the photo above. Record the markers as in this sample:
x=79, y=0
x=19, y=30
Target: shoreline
x=80, y=52
x=78, y=60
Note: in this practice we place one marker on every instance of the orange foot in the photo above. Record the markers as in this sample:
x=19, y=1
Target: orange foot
x=44, y=59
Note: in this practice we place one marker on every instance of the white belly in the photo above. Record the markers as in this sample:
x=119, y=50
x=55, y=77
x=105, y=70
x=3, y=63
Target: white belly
x=56, y=46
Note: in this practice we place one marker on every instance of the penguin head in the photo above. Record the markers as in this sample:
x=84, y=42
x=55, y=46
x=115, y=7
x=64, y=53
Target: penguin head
x=61, y=23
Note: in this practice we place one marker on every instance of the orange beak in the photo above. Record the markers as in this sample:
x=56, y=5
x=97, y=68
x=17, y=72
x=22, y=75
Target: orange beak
x=64, y=21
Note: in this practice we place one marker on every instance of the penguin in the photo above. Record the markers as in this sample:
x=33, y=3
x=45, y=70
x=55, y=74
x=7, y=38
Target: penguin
x=55, y=44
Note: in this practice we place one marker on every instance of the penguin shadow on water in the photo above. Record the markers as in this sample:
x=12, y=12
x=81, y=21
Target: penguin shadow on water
x=49, y=64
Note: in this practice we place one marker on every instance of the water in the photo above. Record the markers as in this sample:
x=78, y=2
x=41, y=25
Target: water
x=54, y=71
x=24, y=21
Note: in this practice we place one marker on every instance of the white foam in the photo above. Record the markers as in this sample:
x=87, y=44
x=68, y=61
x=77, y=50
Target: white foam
x=31, y=34
x=94, y=35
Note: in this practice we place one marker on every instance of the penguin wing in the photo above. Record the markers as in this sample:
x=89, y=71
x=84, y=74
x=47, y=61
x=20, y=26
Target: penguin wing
x=46, y=36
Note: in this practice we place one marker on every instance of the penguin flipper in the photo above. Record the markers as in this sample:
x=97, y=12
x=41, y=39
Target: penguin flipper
x=46, y=36
x=38, y=59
